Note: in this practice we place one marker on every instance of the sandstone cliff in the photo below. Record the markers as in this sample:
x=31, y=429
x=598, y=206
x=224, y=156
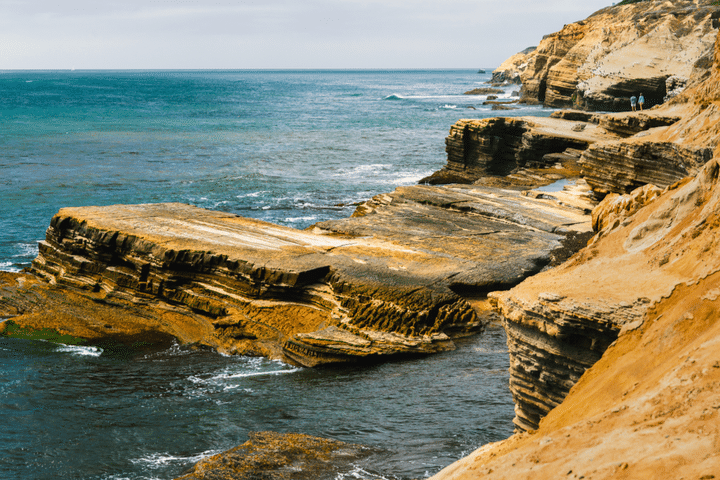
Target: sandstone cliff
x=648, y=285
x=648, y=47
x=651, y=280
x=477, y=149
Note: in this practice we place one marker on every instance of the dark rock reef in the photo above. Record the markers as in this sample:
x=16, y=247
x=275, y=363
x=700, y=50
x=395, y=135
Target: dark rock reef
x=276, y=456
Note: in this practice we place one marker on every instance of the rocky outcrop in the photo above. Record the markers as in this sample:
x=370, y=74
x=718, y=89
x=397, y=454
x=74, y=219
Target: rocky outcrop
x=510, y=71
x=625, y=124
x=385, y=282
x=556, y=330
x=499, y=146
x=650, y=404
x=277, y=456
x=620, y=167
x=484, y=91
x=648, y=47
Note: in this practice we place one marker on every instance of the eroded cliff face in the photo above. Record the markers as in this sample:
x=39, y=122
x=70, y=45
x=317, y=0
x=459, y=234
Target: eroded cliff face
x=651, y=278
x=680, y=137
x=500, y=146
x=648, y=284
x=647, y=47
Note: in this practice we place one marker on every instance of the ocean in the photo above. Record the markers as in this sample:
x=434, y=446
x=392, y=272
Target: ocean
x=289, y=147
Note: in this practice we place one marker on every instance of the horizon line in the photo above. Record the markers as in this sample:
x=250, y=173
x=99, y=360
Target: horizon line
x=2, y=70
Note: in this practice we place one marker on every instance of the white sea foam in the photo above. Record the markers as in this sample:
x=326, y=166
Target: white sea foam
x=301, y=219
x=159, y=460
x=359, y=472
x=228, y=377
x=406, y=178
x=80, y=350
x=362, y=170
x=449, y=107
x=8, y=267
x=27, y=250
x=251, y=195
x=233, y=376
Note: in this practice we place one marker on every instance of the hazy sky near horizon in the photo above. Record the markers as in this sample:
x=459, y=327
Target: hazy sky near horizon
x=199, y=34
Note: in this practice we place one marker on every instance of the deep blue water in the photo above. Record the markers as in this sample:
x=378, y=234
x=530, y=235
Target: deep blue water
x=290, y=147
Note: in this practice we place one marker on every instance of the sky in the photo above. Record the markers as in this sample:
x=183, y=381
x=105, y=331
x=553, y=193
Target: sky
x=308, y=34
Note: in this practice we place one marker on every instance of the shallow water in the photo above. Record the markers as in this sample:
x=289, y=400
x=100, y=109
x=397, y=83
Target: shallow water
x=72, y=412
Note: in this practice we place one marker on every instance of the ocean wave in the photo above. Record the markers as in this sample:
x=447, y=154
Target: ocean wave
x=233, y=376
x=364, y=170
x=27, y=250
x=80, y=350
x=248, y=367
x=449, y=107
x=8, y=267
x=394, y=97
x=406, y=178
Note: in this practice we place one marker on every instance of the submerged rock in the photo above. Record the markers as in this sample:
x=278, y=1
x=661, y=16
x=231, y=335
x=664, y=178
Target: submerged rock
x=281, y=456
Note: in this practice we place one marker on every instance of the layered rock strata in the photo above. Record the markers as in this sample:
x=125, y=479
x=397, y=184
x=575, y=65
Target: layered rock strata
x=556, y=330
x=625, y=124
x=388, y=281
x=620, y=167
x=650, y=278
x=500, y=146
x=648, y=47
x=650, y=404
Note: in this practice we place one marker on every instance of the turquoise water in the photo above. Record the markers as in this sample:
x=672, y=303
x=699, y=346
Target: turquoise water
x=290, y=147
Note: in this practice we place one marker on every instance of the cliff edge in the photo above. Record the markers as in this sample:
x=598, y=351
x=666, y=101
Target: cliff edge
x=649, y=47
x=615, y=355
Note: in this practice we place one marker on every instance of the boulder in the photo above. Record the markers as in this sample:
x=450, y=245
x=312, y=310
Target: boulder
x=484, y=91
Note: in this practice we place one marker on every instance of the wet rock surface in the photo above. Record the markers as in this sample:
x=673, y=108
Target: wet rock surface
x=276, y=456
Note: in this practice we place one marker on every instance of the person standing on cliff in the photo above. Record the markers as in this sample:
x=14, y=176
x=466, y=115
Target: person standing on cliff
x=633, y=102
x=641, y=101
